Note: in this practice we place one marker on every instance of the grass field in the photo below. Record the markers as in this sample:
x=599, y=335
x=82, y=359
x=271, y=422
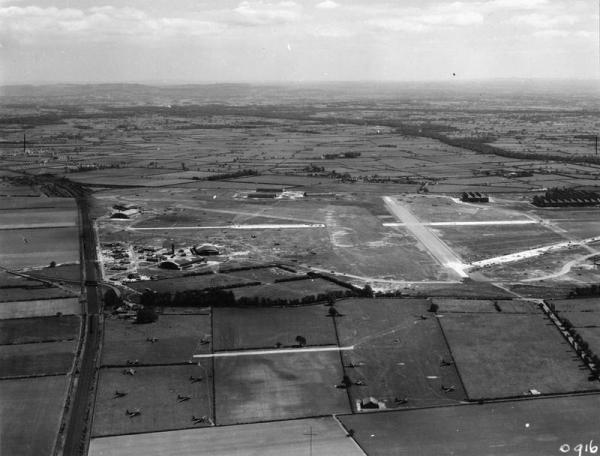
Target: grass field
x=154, y=391
x=38, y=218
x=296, y=289
x=279, y=386
x=264, y=275
x=537, y=427
x=32, y=293
x=579, y=305
x=71, y=272
x=452, y=305
x=482, y=242
x=289, y=438
x=38, y=247
x=30, y=414
x=397, y=354
x=197, y=282
x=242, y=328
x=178, y=337
x=39, y=308
x=505, y=355
x=25, y=360
x=28, y=330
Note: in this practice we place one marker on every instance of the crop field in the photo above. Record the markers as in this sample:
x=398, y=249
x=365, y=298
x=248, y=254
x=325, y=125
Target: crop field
x=452, y=305
x=38, y=247
x=29, y=330
x=154, y=391
x=504, y=355
x=178, y=339
x=260, y=327
x=26, y=360
x=280, y=386
x=536, y=427
x=36, y=402
x=37, y=218
x=70, y=272
x=291, y=438
x=296, y=289
x=15, y=203
x=397, y=354
x=32, y=292
x=579, y=305
x=583, y=319
x=39, y=308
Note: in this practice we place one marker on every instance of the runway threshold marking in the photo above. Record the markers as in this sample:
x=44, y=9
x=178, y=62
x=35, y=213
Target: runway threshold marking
x=272, y=351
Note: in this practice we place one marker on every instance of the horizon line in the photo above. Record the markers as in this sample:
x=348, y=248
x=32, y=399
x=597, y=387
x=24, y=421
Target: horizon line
x=158, y=83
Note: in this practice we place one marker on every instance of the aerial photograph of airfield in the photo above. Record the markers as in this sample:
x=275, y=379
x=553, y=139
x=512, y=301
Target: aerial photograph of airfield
x=188, y=270
x=299, y=228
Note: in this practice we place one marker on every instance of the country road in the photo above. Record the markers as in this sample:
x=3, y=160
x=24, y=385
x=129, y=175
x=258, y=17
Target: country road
x=81, y=405
x=430, y=241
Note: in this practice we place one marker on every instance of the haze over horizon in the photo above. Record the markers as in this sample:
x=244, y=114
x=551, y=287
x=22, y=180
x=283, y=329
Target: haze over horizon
x=255, y=41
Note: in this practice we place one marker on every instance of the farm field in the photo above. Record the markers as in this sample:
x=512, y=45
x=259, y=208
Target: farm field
x=256, y=388
x=41, y=202
x=37, y=218
x=178, y=339
x=259, y=327
x=399, y=353
x=452, y=305
x=40, y=308
x=26, y=360
x=154, y=391
x=38, y=247
x=576, y=305
x=267, y=439
x=67, y=272
x=535, y=427
x=39, y=403
x=505, y=355
x=29, y=330
x=33, y=293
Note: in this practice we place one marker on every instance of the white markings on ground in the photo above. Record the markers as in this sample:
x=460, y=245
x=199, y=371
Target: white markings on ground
x=276, y=351
x=476, y=223
x=262, y=226
x=525, y=254
x=436, y=247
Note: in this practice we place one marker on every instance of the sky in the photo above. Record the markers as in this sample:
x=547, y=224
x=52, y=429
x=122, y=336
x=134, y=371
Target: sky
x=196, y=41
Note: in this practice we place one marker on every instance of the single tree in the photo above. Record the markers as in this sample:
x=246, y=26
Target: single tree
x=301, y=341
x=146, y=315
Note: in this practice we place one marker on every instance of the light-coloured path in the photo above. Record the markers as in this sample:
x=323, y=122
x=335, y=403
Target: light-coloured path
x=262, y=226
x=476, y=223
x=432, y=243
x=276, y=351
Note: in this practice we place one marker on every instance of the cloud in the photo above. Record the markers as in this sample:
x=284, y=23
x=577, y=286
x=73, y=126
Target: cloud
x=455, y=14
x=327, y=4
x=538, y=20
x=25, y=24
x=265, y=13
